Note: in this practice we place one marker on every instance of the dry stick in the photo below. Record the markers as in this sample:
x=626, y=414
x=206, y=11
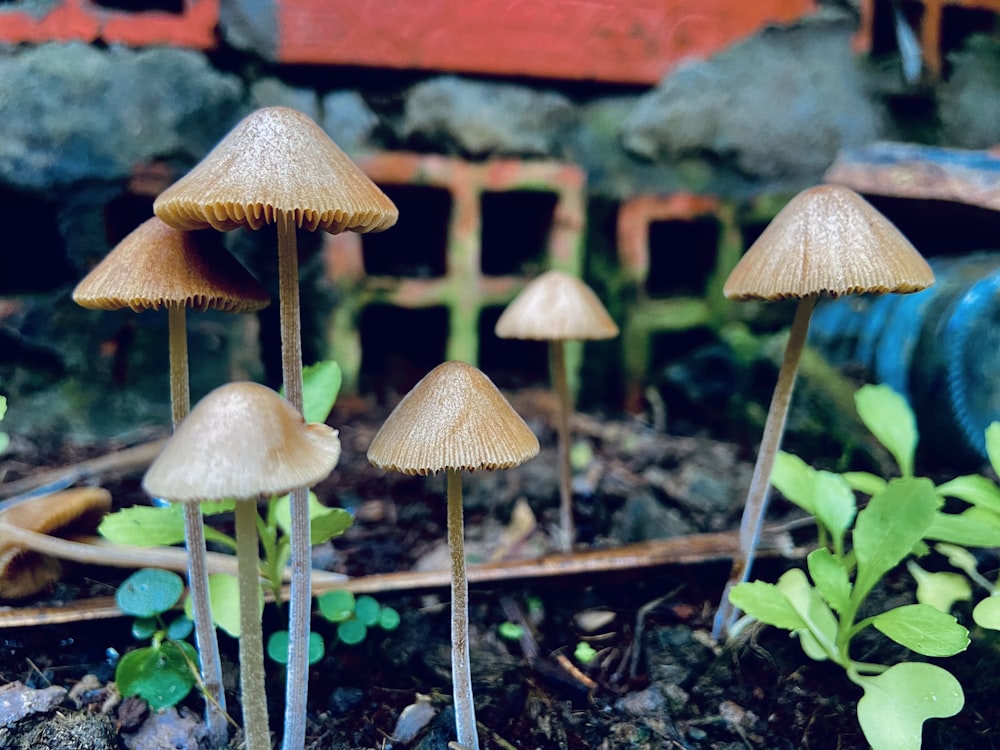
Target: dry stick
x=300, y=599
x=760, y=483
x=567, y=531
x=194, y=541
x=461, y=673
x=255, y=724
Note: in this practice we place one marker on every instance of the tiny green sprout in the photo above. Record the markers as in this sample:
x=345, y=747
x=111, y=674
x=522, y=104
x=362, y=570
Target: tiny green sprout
x=355, y=616
x=584, y=653
x=277, y=647
x=4, y=437
x=510, y=631
x=164, y=672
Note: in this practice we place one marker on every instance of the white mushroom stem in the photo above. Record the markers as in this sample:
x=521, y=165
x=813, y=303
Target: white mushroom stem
x=300, y=597
x=194, y=540
x=461, y=674
x=567, y=530
x=757, y=496
x=252, y=692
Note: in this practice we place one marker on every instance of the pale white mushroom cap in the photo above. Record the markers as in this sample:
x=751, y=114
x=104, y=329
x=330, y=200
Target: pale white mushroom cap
x=828, y=240
x=556, y=306
x=242, y=441
x=454, y=418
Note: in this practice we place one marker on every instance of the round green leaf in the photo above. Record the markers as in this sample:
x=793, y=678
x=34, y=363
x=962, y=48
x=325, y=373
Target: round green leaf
x=180, y=628
x=144, y=628
x=149, y=592
x=277, y=647
x=366, y=610
x=159, y=675
x=336, y=606
x=987, y=613
x=510, y=631
x=388, y=618
x=352, y=632
x=924, y=629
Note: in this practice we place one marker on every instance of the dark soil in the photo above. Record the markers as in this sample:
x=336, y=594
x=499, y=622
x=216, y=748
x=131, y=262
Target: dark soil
x=658, y=680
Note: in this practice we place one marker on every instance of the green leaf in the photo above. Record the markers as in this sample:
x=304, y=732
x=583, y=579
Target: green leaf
x=863, y=481
x=326, y=526
x=277, y=647
x=217, y=507
x=975, y=489
x=224, y=599
x=144, y=628
x=388, y=618
x=143, y=526
x=831, y=578
x=337, y=605
x=366, y=610
x=888, y=528
x=897, y=702
x=149, y=592
x=819, y=619
x=890, y=419
x=180, y=628
x=352, y=632
x=320, y=386
x=159, y=675
x=510, y=631
x=924, y=629
x=835, y=505
x=584, y=653
x=795, y=479
x=3, y=407
x=940, y=590
x=974, y=527
x=765, y=602
x=987, y=613
x=993, y=445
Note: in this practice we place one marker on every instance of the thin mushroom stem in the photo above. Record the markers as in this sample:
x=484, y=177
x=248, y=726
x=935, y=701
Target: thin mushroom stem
x=252, y=693
x=461, y=674
x=194, y=541
x=758, y=494
x=300, y=598
x=567, y=530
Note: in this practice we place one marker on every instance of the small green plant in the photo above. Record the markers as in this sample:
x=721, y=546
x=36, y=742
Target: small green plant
x=856, y=550
x=584, y=653
x=4, y=437
x=164, y=672
x=355, y=616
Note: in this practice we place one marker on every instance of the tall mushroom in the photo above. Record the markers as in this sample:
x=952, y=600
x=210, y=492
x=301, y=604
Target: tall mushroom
x=454, y=420
x=154, y=267
x=826, y=240
x=557, y=307
x=278, y=167
x=243, y=442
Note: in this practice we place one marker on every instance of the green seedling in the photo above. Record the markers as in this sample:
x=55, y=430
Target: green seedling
x=355, y=616
x=584, y=653
x=857, y=549
x=164, y=672
x=510, y=631
x=4, y=437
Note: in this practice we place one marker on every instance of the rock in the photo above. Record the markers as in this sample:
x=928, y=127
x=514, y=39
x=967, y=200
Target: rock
x=780, y=104
x=18, y=701
x=250, y=26
x=271, y=92
x=969, y=104
x=480, y=118
x=349, y=120
x=167, y=730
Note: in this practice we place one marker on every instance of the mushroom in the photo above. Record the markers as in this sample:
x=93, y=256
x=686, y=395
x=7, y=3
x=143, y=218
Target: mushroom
x=243, y=441
x=157, y=266
x=826, y=240
x=557, y=307
x=278, y=167
x=454, y=420
x=24, y=572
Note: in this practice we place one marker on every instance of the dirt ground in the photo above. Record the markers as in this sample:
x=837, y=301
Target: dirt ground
x=657, y=680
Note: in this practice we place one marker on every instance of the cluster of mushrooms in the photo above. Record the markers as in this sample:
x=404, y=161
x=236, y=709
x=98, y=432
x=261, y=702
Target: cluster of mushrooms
x=245, y=442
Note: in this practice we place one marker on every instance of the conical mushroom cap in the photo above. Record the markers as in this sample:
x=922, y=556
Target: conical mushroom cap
x=242, y=441
x=556, y=305
x=158, y=266
x=276, y=160
x=454, y=418
x=828, y=239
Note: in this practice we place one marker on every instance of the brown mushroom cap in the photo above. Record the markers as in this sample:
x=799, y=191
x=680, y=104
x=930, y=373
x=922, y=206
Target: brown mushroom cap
x=454, y=418
x=556, y=305
x=242, y=441
x=828, y=239
x=158, y=266
x=24, y=572
x=276, y=160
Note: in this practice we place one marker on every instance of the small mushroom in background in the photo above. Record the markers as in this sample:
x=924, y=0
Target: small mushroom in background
x=826, y=240
x=454, y=420
x=154, y=267
x=277, y=166
x=557, y=307
x=24, y=571
x=244, y=442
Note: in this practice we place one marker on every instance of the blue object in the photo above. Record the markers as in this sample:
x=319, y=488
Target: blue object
x=940, y=348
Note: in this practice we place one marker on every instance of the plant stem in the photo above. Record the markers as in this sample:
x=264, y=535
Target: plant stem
x=757, y=496
x=461, y=674
x=252, y=693
x=300, y=597
x=567, y=531
x=194, y=541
